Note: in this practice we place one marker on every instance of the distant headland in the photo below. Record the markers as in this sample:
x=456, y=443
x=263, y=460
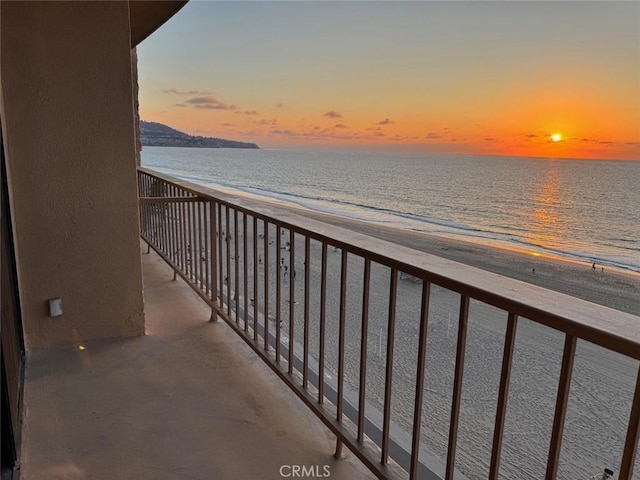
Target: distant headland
x=153, y=134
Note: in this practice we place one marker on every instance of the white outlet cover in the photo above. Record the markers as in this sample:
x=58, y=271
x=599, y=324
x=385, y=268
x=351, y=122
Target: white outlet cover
x=55, y=307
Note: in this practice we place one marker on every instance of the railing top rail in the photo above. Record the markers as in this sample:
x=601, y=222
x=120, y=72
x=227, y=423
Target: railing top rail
x=615, y=330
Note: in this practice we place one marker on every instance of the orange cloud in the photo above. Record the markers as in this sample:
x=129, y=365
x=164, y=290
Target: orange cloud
x=209, y=101
x=175, y=91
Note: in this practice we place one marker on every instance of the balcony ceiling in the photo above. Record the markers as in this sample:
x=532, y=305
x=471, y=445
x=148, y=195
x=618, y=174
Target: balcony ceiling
x=147, y=16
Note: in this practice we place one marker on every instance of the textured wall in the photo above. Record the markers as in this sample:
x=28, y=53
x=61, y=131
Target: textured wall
x=136, y=105
x=69, y=126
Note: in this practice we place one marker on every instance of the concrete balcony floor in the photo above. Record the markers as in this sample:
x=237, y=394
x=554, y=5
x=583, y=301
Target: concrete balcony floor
x=187, y=401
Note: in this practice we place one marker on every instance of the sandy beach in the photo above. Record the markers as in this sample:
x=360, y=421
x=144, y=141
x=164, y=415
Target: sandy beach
x=611, y=287
x=602, y=384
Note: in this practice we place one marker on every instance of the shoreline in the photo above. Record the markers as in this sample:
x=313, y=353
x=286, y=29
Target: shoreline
x=614, y=287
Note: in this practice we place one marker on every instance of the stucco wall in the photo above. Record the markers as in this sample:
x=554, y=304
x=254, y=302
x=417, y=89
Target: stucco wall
x=69, y=136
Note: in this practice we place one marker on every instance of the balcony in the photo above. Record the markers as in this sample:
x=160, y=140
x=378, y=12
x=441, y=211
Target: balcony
x=353, y=327
x=187, y=400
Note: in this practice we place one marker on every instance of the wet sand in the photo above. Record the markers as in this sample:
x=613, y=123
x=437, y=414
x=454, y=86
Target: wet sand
x=612, y=287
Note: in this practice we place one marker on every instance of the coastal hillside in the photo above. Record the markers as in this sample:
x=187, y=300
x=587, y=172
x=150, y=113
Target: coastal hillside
x=153, y=134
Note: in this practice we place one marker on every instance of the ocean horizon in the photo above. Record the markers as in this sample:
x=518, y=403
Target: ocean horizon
x=574, y=209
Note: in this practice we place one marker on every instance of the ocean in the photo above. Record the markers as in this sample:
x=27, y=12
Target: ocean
x=584, y=210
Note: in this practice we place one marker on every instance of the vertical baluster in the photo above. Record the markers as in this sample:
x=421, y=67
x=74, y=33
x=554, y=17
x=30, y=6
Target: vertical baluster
x=278, y=290
x=561, y=406
x=265, y=226
x=292, y=291
x=187, y=247
x=214, y=260
x=170, y=224
x=220, y=259
x=190, y=246
x=160, y=207
x=633, y=433
x=187, y=237
x=228, y=255
x=176, y=233
x=341, y=333
x=174, y=229
x=141, y=206
x=165, y=220
x=140, y=216
x=363, y=348
x=323, y=320
x=246, y=272
x=503, y=394
x=256, y=297
x=236, y=263
x=393, y=291
x=195, y=251
x=161, y=222
x=183, y=233
x=305, y=360
x=151, y=223
x=420, y=372
x=457, y=386
x=156, y=217
x=151, y=219
x=201, y=250
x=207, y=245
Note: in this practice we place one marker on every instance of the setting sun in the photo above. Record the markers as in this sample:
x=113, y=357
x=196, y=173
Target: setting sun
x=556, y=137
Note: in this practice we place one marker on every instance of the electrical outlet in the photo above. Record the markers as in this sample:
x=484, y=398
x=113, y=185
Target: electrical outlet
x=55, y=307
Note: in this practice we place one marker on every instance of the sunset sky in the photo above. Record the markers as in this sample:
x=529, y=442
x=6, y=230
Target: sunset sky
x=435, y=77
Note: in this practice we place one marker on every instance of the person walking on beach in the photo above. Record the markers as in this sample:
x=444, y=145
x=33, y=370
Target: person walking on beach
x=593, y=267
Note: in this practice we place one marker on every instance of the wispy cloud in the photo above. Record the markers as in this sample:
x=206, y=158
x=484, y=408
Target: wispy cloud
x=332, y=114
x=316, y=133
x=531, y=135
x=248, y=112
x=228, y=124
x=209, y=101
x=432, y=136
x=279, y=105
x=340, y=125
x=263, y=121
x=175, y=91
x=212, y=107
x=288, y=133
x=386, y=121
